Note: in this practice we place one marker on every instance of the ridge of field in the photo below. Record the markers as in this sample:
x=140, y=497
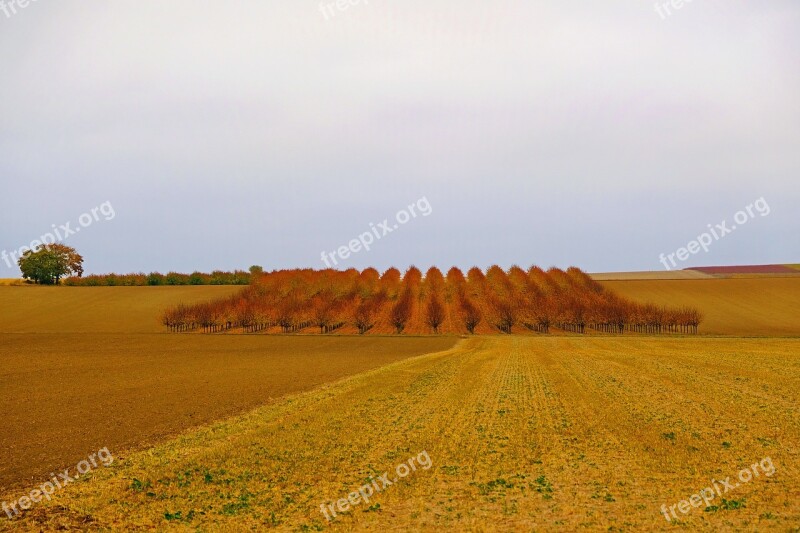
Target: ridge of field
x=41, y=309
x=753, y=275
x=745, y=269
x=66, y=395
x=650, y=275
x=523, y=433
x=730, y=306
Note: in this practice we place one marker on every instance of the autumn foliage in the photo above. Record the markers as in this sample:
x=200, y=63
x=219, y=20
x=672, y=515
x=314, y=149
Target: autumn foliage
x=496, y=301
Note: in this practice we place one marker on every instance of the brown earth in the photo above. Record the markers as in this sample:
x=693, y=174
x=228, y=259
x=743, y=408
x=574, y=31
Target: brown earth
x=64, y=396
x=37, y=309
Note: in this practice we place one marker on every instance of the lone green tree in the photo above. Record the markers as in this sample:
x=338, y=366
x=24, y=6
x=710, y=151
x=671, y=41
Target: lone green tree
x=46, y=265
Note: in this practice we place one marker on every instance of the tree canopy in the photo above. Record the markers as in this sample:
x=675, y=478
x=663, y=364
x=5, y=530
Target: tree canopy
x=48, y=264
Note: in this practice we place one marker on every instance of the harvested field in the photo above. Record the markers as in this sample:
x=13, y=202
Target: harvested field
x=38, y=309
x=522, y=433
x=65, y=395
x=748, y=306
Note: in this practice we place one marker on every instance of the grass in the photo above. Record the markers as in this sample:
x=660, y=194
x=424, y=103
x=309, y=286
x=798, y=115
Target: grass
x=523, y=433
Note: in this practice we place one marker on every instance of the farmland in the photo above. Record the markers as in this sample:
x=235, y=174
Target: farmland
x=126, y=391
x=233, y=431
x=522, y=433
x=97, y=359
x=735, y=306
x=30, y=309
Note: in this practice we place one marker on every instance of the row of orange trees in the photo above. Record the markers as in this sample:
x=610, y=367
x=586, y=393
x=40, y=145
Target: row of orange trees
x=496, y=300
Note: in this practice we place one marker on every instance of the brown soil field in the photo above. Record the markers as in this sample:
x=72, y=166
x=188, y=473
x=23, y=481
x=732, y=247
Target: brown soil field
x=521, y=434
x=87, y=367
x=65, y=395
x=746, y=306
x=37, y=309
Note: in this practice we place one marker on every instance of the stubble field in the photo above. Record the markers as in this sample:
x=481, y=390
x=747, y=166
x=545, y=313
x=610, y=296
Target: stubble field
x=522, y=433
x=768, y=306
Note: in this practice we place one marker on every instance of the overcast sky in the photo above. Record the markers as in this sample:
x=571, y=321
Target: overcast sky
x=596, y=134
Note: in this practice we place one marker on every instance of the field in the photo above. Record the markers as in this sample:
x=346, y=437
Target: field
x=752, y=306
x=651, y=275
x=82, y=392
x=522, y=434
x=537, y=432
x=751, y=269
x=71, y=354
x=31, y=309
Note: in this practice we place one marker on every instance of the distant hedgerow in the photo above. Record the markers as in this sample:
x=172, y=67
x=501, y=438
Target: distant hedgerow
x=218, y=277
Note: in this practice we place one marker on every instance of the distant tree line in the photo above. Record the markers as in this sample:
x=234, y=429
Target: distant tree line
x=218, y=277
x=495, y=301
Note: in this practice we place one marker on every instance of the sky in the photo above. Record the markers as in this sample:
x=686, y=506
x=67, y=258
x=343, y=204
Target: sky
x=218, y=135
